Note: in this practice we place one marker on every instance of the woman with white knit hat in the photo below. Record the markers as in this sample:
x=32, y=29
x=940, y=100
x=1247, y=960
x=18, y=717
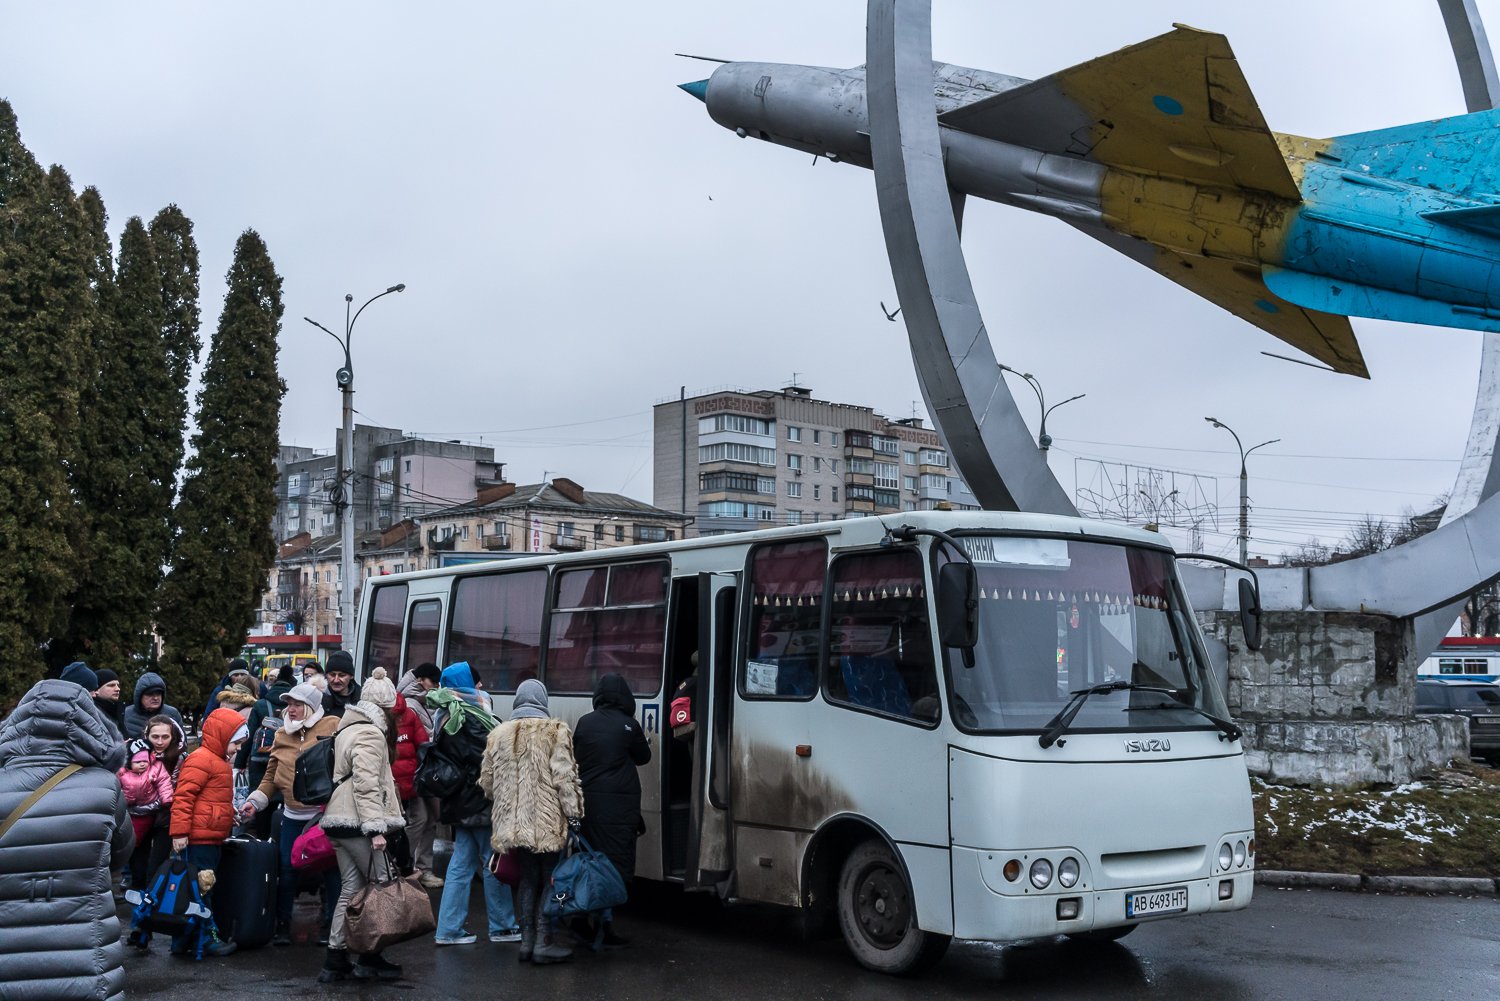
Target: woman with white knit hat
x=364, y=808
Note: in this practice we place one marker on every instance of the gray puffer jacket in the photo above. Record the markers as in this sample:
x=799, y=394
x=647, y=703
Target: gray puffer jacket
x=59, y=936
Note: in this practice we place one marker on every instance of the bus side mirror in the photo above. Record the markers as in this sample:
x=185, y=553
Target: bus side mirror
x=1250, y=612
x=958, y=608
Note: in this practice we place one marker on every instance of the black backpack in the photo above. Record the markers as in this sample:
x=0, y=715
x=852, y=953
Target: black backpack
x=312, y=779
x=264, y=738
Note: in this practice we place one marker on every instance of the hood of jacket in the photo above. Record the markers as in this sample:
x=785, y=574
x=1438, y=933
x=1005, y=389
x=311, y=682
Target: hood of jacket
x=613, y=692
x=530, y=701
x=365, y=712
x=458, y=676
x=58, y=721
x=148, y=681
x=219, y=729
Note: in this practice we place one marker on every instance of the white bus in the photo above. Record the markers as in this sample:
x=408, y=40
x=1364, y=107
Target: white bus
x=918, y=727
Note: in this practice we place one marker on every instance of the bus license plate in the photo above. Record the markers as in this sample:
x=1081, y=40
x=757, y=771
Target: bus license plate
x=1486, y=720
x=1152, y=902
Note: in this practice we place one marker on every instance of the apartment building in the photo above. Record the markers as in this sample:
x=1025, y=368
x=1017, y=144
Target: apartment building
x=396, y=476
x=739, y=460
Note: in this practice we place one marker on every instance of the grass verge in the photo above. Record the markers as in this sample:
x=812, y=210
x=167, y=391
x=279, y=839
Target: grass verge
x=1446, y=826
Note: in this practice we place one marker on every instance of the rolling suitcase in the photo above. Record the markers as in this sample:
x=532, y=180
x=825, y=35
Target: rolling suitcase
x=244, y=898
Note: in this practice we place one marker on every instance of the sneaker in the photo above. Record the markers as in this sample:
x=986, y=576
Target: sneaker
x=431, y=880
x=464, y=939
x=509, y=935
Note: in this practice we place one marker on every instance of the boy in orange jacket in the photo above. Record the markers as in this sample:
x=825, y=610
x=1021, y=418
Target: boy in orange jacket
x=203, y=806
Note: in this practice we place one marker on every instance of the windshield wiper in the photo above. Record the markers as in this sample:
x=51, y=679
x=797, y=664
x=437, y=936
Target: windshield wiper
x=1058, y=725
x=1227, y=730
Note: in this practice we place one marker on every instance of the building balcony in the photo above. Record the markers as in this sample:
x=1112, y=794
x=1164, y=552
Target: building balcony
x=497, y=542
x=286, y=587
x=442, y=545
x=568, y=543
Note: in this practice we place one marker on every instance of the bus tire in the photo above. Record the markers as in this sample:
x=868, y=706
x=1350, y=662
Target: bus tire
x=877, y=916
x=1102, y=935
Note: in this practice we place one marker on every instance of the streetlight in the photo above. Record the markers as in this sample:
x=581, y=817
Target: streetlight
x=1043, y=439
x=1155, y=525
x=345, y=379
x=1244, y=484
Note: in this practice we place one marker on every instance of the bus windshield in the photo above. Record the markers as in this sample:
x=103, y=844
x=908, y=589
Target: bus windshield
x=1060, y=615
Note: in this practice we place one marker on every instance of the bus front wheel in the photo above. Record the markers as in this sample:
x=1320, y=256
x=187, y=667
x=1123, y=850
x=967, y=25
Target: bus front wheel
x=877, y=916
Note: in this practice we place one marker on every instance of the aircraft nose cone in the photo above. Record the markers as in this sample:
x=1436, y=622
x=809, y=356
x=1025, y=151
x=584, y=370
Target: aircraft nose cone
x=698, y=88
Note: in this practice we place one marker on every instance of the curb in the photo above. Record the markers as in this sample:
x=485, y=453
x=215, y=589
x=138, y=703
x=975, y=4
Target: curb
x=1379, y=884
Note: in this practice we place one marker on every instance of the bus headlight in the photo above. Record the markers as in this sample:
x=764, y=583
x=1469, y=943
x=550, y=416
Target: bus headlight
x=1226, y=856
x=1067, y=872
x=1239, y=853
x=1041, y=873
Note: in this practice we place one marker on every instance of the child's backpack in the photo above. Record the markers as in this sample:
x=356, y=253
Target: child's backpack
x=171, y=902
x=265, y=736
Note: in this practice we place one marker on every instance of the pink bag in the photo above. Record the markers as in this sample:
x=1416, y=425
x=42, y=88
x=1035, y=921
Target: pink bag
x=312, y=851
x=505, y=867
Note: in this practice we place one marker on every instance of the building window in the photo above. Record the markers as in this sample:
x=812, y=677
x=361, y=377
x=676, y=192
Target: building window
x=294, y=483
x=887, y=498
x=833, y=438
x=833, y=464
x=565, y=529
x=935, y=481
x=466, y=533
x=731, y=451
x=598, y=530
x=793, y=433
x=406, y=489
x=887, y=446
x=817, y=464
x=733, y=509
x=861, y=465
x=858, y=439
x=735, y=422
x=729, y=482
x=794, y=462
x=909, y=482
x=934, y=457
x=794, y=517
x=794, y=489
x=817, y=436
x=651, y=533
x=886, y=474
x=766, y=513
x=835, y=492
x=910, y=458
x=619, y=533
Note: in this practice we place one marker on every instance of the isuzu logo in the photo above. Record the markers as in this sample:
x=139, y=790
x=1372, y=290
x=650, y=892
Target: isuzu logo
x=1131, y=746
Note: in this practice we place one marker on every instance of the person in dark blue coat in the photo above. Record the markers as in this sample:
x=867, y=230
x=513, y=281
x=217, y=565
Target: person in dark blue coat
x=609, y=745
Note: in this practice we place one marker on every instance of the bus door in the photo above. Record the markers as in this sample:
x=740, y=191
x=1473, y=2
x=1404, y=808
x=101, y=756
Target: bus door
x=710, y=849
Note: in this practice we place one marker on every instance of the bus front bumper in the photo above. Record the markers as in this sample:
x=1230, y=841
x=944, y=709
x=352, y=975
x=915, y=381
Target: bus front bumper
x=1022, y=912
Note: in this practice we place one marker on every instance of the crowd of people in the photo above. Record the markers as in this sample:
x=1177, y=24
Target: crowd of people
x=521, y=783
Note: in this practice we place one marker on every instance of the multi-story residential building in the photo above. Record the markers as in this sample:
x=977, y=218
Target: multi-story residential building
x=396, y=476
x=558, y=516
x=740, y=460
x=502, y=520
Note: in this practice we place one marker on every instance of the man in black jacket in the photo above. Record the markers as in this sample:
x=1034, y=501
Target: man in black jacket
x=609, y=745
x=343, y=690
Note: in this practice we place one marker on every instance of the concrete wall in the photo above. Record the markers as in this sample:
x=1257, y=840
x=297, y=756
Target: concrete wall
x=1328, y=698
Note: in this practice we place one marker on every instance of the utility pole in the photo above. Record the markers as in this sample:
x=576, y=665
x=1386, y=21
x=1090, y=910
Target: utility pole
x=1244, y=484
x=345, y=378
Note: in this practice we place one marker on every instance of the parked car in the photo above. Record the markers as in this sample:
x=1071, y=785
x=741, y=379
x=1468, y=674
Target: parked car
x=1478, y=700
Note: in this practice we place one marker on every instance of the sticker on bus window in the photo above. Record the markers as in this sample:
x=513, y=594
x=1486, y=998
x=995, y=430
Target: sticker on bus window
x=760, y=677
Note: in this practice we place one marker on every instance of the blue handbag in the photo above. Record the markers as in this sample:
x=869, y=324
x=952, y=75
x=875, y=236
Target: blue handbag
x=584, y=881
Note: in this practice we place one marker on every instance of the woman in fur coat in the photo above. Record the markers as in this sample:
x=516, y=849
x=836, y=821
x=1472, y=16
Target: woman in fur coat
x=532, y=782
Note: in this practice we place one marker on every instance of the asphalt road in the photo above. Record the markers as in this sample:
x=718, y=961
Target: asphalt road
x=1289, y=944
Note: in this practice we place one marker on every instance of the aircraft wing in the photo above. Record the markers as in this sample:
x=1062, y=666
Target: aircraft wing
x=1175, y=105
x=1242, y=290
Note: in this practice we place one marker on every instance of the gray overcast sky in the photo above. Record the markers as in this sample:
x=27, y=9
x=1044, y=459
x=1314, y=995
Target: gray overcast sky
x=579, y=239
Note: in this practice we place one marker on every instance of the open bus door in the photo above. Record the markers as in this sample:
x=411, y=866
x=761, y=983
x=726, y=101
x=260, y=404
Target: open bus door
x=710, y=848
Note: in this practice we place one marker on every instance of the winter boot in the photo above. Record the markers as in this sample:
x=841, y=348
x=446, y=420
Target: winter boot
x=547, y=949
x=335, y=967
x=283, y=934
x=370, y=965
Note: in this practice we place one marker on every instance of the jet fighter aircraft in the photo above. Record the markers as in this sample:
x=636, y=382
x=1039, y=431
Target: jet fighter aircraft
x=1160, y=151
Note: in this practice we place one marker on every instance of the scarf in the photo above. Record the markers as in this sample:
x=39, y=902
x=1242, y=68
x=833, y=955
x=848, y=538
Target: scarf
x=456, y=710
x=298, y=725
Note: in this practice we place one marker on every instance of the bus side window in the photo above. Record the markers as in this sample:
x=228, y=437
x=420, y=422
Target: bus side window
x=879, y=640
x=383, y=642
x=786, y=611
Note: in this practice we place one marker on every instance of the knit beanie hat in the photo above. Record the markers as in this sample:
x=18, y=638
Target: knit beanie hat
x=105, y=676
x=80, y=674
x=378, y=689
x=339, y=660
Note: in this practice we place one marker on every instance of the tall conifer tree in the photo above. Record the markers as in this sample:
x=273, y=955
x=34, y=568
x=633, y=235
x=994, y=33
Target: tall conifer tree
x=223, y=549
x=177, y=263
x=44, y=308
x=133, y=436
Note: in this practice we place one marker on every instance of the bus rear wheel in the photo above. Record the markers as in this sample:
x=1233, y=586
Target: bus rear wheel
x=1100, y=935
x=877, y=916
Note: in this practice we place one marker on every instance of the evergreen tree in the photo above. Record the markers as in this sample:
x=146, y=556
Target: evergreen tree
x=177, y=262
x=126, y=482
x=44, y=309
x=223, y=548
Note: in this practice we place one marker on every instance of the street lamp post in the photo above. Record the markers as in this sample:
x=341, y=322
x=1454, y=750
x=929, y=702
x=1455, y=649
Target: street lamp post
x=1244, y=484
x=1156, y=503
x=1043, y=439
x=345, y=379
